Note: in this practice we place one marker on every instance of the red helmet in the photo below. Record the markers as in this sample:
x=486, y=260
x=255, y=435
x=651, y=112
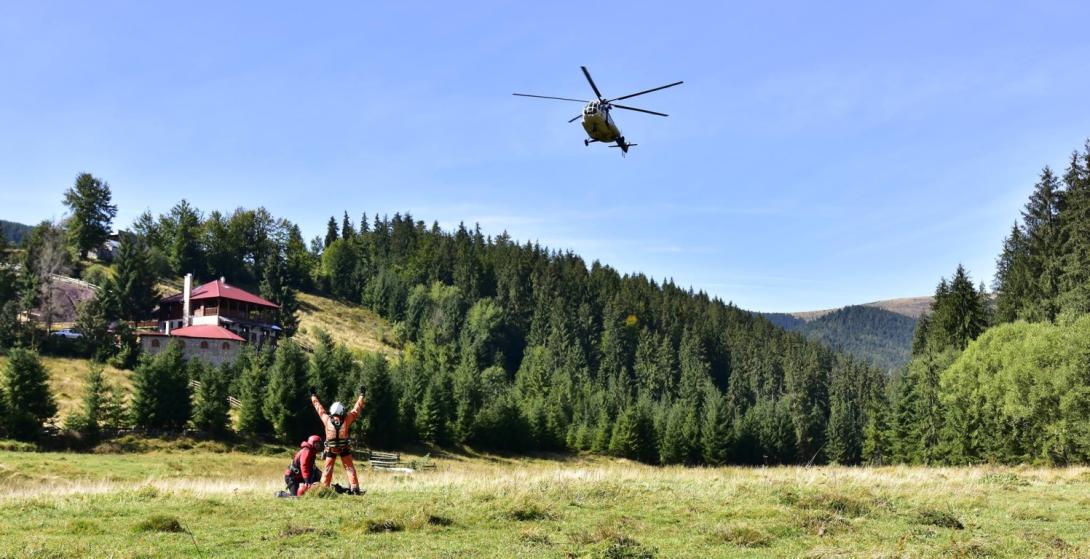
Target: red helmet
x=314, y=441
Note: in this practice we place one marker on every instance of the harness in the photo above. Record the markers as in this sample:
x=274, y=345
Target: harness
x=337, y=446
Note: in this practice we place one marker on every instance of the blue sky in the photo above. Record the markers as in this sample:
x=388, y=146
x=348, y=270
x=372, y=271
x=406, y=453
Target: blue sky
x=817, y=155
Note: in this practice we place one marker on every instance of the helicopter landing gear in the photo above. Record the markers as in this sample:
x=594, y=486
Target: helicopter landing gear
x=586, y=142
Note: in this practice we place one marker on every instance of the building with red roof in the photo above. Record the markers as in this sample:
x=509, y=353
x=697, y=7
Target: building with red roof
x=212, y=320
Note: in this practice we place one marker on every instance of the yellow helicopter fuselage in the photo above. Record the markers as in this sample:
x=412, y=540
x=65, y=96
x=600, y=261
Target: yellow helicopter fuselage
x=598, y=124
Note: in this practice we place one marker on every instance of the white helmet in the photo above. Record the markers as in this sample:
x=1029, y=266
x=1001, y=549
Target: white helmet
x=336, y=409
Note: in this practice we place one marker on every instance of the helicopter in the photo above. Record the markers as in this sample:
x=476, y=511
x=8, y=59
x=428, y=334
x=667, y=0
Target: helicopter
x=596, y=119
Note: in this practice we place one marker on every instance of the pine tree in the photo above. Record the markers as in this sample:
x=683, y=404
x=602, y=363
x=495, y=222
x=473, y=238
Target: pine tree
x=347, y=232
x=276, y=287
x=675, y=446
x=94, y=325
x=430, y=424
x=92, y=213
x=161, y=397
x=844, y=431
x=211, y=412
x=1045, y=239
x=251, y=393
x=286, y=402
x=134, y=281
x=1075, y=225
x=185, y=249
x=330, y=232
x=87, y=421
x=30, y=402
x=380, y=414
x=716, y=435
x=323, y=374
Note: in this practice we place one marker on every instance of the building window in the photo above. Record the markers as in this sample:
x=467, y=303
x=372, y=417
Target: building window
x=204, y=345
x=155, y=343
x=226, y=345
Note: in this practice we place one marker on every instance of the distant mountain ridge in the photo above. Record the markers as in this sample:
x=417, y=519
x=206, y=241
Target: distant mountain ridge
x=912, y=307
x=880, y=332
x=14, y=232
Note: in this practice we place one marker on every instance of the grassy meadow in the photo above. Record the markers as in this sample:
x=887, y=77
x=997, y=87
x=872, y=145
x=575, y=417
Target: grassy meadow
x=136, y=499
x=67, y=377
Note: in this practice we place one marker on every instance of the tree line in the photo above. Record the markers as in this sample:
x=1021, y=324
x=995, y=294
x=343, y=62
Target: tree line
x=1000, y=377
x=504, y=344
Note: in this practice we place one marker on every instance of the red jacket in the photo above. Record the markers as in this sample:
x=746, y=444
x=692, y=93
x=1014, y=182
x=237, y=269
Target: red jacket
x=304, y=462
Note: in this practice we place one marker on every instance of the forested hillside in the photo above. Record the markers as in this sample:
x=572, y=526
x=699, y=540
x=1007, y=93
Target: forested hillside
x=502, y=344
x=12, y=232
x=1002, y=378
x=877, y=336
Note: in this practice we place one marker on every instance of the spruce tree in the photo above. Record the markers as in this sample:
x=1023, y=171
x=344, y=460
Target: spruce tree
x=184, y=249
x=1075, y=225
x=287, y=404
x=276, y=287
x=1045, y=239
x=330, y=232
x=92, y=213
x=323, y=373
x=87, y=421
x=716, y=435
x=94, y=325
x=347, y=232
x=134, y=281
x=379, y=418
x=430, y=424
x=30, y=402
x=253, y=369
x=161, y=395
x=211, y=412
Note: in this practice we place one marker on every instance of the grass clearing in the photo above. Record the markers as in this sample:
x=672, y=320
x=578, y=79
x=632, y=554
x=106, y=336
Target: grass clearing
x=67, y=377
x=351, y=325
x=147, y=503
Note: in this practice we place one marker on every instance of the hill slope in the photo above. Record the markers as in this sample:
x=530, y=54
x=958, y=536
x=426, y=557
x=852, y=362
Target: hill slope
x=879, y=332
x=14, y=232
x=878, y=336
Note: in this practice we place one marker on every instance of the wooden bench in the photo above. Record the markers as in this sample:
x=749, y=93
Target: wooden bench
x=391, y=462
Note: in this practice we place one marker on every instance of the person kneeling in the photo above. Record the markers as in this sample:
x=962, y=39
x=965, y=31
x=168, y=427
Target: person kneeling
x=302, y=474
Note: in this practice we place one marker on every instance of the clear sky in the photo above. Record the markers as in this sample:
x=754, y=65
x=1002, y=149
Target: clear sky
x=818, y=154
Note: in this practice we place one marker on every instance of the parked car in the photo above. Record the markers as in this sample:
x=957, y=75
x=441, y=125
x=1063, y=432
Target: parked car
x=67, y=333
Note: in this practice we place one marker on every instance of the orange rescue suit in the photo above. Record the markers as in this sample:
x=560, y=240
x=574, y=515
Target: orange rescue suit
x=337, y=442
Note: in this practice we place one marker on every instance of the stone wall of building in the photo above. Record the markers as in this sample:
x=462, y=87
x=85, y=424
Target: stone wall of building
x=212, y=351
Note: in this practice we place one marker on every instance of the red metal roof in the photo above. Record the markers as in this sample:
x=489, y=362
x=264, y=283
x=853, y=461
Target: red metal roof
x=219, y=289
x=206, y=331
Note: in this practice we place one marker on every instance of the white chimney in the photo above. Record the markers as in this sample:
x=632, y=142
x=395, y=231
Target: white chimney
x=185, y=299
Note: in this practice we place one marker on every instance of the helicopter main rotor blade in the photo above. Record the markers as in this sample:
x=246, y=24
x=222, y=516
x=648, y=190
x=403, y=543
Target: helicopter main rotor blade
x=591, y=81
x=577, y=117
x=640, y=110
x=547, y=97
x=646, y=91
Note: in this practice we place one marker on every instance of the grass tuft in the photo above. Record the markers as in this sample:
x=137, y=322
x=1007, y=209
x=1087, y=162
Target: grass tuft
x=940, y=518
x=626, y=548
x=742, y=536
x=535, y=537
x=376, y=526
x=160, y=523
x=438, y=520
x=843, y=505
x=528, y=513
x=321, y=492
x=1006, y=480
x=290, y=530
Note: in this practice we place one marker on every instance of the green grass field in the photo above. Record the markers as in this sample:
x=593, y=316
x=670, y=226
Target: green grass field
x=67, y=377
x=203, y=499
